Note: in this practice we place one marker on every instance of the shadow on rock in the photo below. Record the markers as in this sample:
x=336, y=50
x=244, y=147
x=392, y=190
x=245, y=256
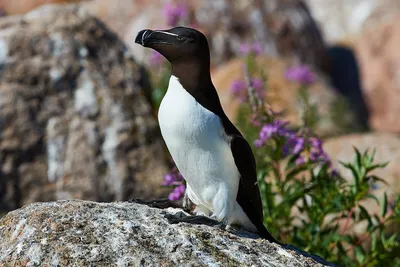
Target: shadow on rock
x=345, y=77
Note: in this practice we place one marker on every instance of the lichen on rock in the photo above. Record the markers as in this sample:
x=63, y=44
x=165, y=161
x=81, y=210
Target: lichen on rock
x=85, y=233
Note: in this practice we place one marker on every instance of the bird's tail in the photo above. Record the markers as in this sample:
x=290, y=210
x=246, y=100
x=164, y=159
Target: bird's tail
x=263, y=232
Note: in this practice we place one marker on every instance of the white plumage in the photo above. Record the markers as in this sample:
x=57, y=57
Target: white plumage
x=198, y=144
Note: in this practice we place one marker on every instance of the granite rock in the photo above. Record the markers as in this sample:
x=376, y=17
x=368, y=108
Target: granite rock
x=75, y=117
x=87, y=233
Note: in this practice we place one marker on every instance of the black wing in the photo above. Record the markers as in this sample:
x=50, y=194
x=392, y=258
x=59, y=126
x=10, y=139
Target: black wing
x=248, y=195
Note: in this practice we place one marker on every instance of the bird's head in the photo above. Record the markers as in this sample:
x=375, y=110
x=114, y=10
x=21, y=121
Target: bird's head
x=177, y=45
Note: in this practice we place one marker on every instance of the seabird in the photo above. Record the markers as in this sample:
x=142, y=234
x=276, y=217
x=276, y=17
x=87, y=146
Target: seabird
x=211, y=154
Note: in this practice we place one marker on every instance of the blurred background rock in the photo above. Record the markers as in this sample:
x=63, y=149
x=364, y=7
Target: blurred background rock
x=76, y=118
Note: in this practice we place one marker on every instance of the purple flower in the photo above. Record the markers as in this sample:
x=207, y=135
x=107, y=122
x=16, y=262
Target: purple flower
x=239, y=90
x=294, y=144
x=298, y=145
x=181, y=189
x=257, y=83
x=334, y=173
x=173, y=178
x=257, y=49
x=258, y=143
x=276, y=128
x=238, y=87
x=285, y=150
x=258, y=86
x=307, y=148
x=301, y=74
x=247, y=48
x=177, y=193
x=173, y=196
x=156, y=58
x=174, y=13
x=179, y=177
x=169, y=179
x=320, y=156
x=316, y=143
x=317, y=153
x=300, y=160
x=267, y=131
x=325, y=158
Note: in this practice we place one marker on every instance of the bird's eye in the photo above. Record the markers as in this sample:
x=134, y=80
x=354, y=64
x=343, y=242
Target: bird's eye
x=180, y=38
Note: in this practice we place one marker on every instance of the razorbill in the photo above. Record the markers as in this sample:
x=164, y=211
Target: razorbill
x=211, y=154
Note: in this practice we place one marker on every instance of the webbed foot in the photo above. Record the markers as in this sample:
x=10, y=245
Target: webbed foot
x=194, y=219
x=162, y=203
x=187, y=204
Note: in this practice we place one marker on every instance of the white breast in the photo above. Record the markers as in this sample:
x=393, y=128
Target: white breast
x=197, y=142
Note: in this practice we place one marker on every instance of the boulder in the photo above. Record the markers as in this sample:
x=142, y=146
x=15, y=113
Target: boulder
x=377, y=49
x=283, y=28
x=369, y=29
x=342, y=19
x=119, y=16
x=75, y=120
x=22, y=6
x=87, y=233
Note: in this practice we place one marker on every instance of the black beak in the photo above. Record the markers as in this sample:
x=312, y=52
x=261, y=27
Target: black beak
x=149, y=37
x=141, y=37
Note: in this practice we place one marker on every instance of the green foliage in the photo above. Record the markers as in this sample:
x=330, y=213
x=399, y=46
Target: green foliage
x=313, y=207
x=310, y=208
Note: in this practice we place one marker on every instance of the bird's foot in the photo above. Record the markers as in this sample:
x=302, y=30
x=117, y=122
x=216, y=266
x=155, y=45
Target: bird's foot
x=187, y=204
x=235, y=229
x=238, y=230
x=156, y=203
x=231, y=229
x=193, y=219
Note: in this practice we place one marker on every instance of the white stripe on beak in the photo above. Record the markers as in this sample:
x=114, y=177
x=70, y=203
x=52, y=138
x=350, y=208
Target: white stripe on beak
x=143, y=37
x=172, y=34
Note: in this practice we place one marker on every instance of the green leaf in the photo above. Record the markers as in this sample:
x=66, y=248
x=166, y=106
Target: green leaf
x=360, y=256
x=354, y=172
x=378, y=179
x=365, y=215
x=372, y=156
x=358, y=157
x=377, y=219
x=364, y=212
x=383, y=238
x=373, y=242
x=296, y=171
x=384, y=205
x=371, y=196
x=392, y=240
x=377, y=166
